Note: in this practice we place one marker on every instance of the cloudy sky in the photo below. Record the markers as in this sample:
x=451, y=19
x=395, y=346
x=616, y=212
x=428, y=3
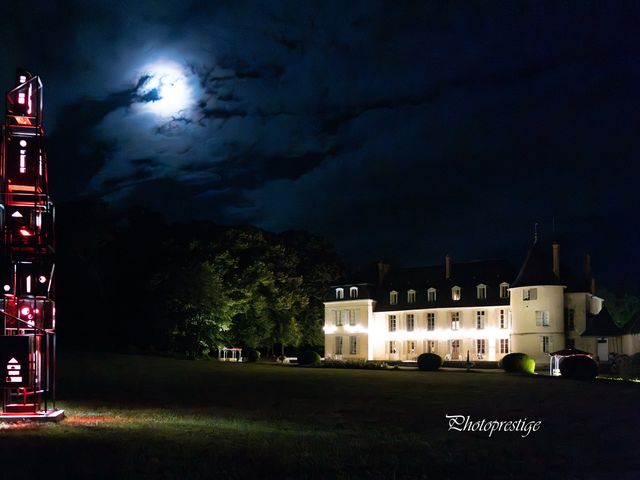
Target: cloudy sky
x=403, y=130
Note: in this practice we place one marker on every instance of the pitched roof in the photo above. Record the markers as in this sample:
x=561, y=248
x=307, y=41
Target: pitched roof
x=536, y=270
x=602, y=325
x=466, y=275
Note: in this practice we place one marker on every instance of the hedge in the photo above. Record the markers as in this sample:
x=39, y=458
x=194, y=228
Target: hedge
x=429, y=362
x=578, y=367
x=517, y=363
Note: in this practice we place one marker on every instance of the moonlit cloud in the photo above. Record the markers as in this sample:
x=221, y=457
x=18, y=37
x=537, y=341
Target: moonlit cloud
x=166, y=89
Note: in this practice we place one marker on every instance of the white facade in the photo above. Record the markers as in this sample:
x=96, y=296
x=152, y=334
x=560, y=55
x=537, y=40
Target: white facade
x=485, y=332
x=354, y=330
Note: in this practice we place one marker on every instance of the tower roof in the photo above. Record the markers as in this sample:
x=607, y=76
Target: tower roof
x=536, y=270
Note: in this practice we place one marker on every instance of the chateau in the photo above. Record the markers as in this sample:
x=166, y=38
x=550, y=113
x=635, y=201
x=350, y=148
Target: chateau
x=484, y=308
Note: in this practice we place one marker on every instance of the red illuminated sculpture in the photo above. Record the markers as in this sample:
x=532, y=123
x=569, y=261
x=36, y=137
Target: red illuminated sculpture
x=27, y=341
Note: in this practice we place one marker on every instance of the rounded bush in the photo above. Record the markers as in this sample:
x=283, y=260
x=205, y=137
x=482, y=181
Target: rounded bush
x=517, y=363
x=308, y=357
x=579, y=367
x=429, y=362
x=253, y=355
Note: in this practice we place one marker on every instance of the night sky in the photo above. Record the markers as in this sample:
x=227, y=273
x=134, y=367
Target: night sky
x=397, y=130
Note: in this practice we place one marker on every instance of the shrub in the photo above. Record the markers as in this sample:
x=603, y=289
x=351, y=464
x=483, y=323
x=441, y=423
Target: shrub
x=628, y=367
x=429, y=362
x=253, y=355
x=308, y=357
x=579, y=367
x=517, y=363
x=356, y=363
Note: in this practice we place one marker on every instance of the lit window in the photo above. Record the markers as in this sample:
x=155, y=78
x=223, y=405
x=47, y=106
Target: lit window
x=431, y=345
x=337, y=318
x=545, y=344
x=23, y=161
x=353, y=292
x=480, y=316
x=542, y=318
x=481, y=291
x=22, y=78
x=393, y=297
x=411, y=296
x=569, y=315
x=530, y=294
x=410, y=322
x=502, y=318
x=339, y=293
x=504, y=290
x=353, y=345
x=352, y=317
x=338, y=345
x=411, y=346
x=504, y=345
x=431, y=321
x=346, y=317
x=431, y=295
x=455, y=320
x=481, y=346
x=393, y=348
x=455, y=293
x=21, y=98
x=393, y=323
x=455, y=349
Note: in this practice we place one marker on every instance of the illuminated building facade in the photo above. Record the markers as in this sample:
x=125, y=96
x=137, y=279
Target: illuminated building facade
x=27, y=341
x=484, y=308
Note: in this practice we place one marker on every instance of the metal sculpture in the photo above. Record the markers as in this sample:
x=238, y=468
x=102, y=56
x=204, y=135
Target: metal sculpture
x=27, y=335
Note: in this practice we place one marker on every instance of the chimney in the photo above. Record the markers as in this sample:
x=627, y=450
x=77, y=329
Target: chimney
x=593, y=286
x=556, y=259
x=447, y=267
x=587, y=265
x=383, y=269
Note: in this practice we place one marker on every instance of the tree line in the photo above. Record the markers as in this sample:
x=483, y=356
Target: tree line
x=128, y=280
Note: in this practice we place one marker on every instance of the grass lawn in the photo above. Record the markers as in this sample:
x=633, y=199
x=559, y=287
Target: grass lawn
x=150, y=417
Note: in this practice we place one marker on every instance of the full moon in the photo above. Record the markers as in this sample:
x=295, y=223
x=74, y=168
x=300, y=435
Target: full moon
x=166, y=89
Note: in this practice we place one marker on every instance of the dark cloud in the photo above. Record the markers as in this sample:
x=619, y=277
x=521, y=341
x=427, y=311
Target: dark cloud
x=406, y=131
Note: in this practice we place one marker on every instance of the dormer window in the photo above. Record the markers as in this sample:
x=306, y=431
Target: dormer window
x=456, y=294
x=393, y=297
x=504, y=290
x=431, y=295
x=339, y=293
x=481, y=291
x=411, y=296
x=353, y=292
